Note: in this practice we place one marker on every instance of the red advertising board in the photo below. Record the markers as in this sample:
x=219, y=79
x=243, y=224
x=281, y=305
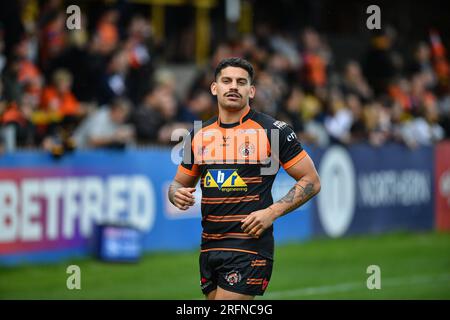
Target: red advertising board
x=443, y=186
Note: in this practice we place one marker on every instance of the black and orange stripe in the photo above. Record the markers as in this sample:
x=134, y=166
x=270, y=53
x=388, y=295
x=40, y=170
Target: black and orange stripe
x=259, y=263
x=228, y=249
x=225, y=218
x=213, y=200
x=255, y=281
x=227, y=235
x=252, y=179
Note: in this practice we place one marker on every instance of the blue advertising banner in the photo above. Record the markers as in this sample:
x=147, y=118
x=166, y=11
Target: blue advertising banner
x=368, y=189
x=49, y=207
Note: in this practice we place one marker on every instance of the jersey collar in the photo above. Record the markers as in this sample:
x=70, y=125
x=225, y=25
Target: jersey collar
x=247, y=115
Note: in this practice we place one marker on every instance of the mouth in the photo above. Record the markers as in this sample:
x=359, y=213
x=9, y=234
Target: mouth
x=233, y=96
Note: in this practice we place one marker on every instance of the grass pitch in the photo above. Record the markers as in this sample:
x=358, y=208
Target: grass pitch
x=413, y=266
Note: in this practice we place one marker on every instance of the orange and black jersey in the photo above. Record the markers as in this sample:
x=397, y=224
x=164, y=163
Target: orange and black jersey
x=237, y=164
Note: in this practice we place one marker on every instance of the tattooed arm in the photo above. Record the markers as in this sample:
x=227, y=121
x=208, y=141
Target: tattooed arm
x=308, y=185
x=300, y=193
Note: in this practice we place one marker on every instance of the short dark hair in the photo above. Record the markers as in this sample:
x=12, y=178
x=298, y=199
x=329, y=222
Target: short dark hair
x=121, y=103
x=235, y=62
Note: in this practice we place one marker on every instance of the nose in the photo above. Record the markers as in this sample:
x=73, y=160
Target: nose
x=234, y=85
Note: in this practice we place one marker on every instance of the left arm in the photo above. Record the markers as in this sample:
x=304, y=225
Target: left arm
x=308, y=185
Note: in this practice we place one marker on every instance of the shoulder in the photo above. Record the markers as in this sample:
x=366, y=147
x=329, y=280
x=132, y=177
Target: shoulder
x=98, y=118
x=205, y=125
x=269, y=122
x=209, y=122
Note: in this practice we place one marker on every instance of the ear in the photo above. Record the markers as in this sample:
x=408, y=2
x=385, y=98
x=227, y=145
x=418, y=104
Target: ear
x=252, y=92
x=214, y=88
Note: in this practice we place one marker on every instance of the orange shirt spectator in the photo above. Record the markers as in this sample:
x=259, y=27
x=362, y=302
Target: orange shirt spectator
x=59, y=98
x=401, y=97
x=13, y=114
x=315, y=70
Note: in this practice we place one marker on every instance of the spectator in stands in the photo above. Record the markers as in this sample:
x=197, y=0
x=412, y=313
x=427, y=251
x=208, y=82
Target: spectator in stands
x=339, y=119
x=106, y=128
x=381, y=63
x=358, y=130
x=423, y=129
x=29, y=76
x=354, y=82
x=53, y=35
x=399, y=90
x=18, y=121
x=199, y=106
x=139, y=45
x=422, y=64
x=114, y=81
x=58, y=98
x=147, y=118
x=290, y=109
x=420, y=96
x=75, y=58
x=316, y=58
x=376, y=133
x=60, y=112
x=107, y=34
x=269, y=94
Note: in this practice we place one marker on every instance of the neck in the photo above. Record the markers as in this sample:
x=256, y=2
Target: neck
x=227, y=116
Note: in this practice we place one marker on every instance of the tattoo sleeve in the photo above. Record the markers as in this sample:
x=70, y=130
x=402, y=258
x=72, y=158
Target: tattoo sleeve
x=300, y=193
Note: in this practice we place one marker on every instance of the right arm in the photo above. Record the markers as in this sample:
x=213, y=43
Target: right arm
x=181, y=190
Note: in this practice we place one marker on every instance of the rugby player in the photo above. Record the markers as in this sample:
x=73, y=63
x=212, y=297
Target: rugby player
x=236, y=156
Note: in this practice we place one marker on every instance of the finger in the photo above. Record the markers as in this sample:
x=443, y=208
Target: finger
x=251, y=226
x=179, y=205
x=254, y=230
x=188, y=191
x=247, y=221
x=183, y=203
x=183, y=197
x=182, y=206
x=259, y=232
x=186, y=204
x=185, y=193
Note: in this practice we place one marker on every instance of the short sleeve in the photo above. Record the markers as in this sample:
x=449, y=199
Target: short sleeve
x=188, y=165
x=291, y=150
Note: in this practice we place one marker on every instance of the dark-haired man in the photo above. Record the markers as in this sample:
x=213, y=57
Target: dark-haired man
x=236, y=155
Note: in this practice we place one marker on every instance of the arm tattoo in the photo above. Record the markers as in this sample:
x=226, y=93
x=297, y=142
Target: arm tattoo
x=289, y=197
x=298, y=195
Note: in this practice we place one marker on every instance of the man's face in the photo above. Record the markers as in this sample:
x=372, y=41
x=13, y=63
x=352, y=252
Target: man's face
x=232, y=88
x=119, y=115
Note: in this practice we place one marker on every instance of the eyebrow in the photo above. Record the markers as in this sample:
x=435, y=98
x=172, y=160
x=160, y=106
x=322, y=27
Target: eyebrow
x=238, y=79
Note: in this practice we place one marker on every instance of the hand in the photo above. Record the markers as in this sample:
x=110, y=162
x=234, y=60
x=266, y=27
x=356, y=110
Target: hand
x=123, y=134
x=258, y=221
x=183, y=198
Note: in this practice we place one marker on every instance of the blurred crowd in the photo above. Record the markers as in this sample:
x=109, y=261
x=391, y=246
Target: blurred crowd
x=101, y=86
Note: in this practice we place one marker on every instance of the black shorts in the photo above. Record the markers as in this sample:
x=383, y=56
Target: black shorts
x=234, y=271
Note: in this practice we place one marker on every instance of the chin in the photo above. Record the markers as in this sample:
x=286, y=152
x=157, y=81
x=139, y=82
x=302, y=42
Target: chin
x=233, y=107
